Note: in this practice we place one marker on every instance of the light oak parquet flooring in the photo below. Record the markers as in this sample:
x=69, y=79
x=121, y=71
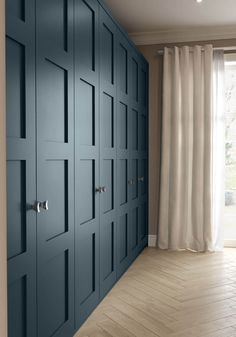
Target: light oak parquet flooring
x=170, y=294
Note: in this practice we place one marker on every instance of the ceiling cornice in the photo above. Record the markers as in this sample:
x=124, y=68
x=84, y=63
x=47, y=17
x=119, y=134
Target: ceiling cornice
x=184, y=35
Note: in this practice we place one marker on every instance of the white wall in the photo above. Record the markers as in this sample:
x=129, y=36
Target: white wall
x=3, y=274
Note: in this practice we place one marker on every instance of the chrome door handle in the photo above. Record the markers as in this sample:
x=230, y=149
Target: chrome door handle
x=36, y=207
x=104, y=189
x=44, y=205
x=101, y=189
x=141, y=179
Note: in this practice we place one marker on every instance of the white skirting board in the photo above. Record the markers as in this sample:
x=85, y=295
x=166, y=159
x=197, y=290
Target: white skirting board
x=230, y=243
x=152, y=240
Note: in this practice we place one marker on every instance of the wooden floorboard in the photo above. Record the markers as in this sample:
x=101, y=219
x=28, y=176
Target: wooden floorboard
x=170, y=294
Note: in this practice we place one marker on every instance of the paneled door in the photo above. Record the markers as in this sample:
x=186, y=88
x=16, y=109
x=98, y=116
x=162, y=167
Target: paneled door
x=124, y=180
x=134, y=152
x=21, y=173
x=55, y=168
x=108, y=143
x=143, y=155
x=86, y=159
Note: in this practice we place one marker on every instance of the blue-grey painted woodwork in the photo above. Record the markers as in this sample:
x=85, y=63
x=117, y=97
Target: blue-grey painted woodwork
x=55, y=167
x=134, y=231
x=124, y=179
x=142, y=220
x=80, y=143
x=21, y=171
x=143, y=153
x=138, y=152
x=87, y=200
x=134, y=175
x=108, y=146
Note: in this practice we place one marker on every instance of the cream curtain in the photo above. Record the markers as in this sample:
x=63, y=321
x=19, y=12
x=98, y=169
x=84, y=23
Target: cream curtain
x=186, y=194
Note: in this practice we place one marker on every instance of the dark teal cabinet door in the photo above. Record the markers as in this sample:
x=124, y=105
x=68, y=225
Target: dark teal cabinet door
x=86, y=159
x=124, y=181
x=21, y=177
x=143, y=154
x=134, y=154
x=108, y=143
x=55, y=168
x=77, y=143
x=138, y=86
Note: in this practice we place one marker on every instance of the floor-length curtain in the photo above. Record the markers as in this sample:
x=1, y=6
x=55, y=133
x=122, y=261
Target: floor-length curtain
x=186, y=191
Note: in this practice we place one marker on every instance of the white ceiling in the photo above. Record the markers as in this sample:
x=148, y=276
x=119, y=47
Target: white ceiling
x=155, y=15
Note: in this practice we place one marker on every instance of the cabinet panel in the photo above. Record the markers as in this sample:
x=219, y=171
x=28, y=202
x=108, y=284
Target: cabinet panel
x=134, y=130
x=134, y=235
x=107, y=117
x=107, y=244
x=86, y=158
x=123, y=126
x=16, y=208
x=86, y=34
x=55, y=167
x=87, y=191
x=124, y=174
x=134, y=175
x=143, y=223
x=108, y=179
x=54, y=299
x=55, y=221
x=143, y=133
x=123, y=180
x=54, y=102
x=134, y=79
x=143, y=85
x=55, y=20
x=17, y=309
x=15, y=55
x=16, y=8
x=87, y=271
x=107, y=53
x=123, y=237
x=142, y=177
x=108, y=147
x=122, y=68
x=86, y=115
x=21, y=171
x=138, y=153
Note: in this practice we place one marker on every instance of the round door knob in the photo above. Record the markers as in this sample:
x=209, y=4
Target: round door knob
x=104, y=189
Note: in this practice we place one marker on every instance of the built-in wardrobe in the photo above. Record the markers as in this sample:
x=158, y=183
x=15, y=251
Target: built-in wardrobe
x=76, y=161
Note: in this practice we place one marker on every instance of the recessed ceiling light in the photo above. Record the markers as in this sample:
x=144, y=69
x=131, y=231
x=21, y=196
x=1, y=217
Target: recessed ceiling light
x=198, y=1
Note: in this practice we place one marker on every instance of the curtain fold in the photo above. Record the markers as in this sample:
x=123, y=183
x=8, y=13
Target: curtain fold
x=218, y=149
x=186, y=216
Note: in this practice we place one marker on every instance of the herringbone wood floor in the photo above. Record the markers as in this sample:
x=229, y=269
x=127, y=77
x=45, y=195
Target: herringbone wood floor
x=169, y=294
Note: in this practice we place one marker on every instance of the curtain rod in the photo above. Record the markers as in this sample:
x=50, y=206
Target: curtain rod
x=227, y=50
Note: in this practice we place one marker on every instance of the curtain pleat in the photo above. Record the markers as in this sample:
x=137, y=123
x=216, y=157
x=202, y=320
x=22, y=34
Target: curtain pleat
x=218, y=179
